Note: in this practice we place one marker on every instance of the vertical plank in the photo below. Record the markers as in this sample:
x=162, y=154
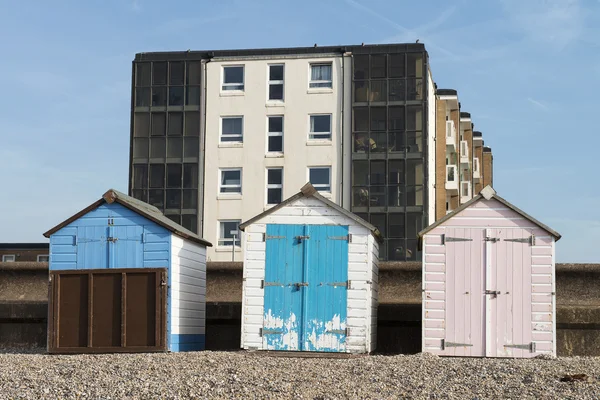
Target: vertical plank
x=508, y=294
x=123, y=309
x=157, y=301
x=488, y=284
x=519, y=286
x=476, y=290
x=527, y=289
x=450, y=305
x=90, y=307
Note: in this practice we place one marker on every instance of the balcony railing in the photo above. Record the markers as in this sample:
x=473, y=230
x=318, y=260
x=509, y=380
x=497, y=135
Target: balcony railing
x=476, y=170
x=451, y=135
x=464, y=152
x=465, y=192
x=451, y=178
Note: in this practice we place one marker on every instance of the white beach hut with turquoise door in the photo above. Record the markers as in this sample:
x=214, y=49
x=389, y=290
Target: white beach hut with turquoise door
x=489, y=287
x=310, y=278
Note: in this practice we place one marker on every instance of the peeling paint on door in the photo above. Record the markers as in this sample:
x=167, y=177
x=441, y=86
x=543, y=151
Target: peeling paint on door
x=307, y=311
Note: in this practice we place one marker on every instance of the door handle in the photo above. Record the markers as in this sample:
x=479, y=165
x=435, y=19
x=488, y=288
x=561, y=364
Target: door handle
x=299, y=284
x=494, y=293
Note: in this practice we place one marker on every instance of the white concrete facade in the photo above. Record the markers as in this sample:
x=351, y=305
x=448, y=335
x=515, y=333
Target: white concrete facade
x=431, y=131
x=251, y=155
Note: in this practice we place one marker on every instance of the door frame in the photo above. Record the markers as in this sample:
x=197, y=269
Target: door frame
x=161, y=318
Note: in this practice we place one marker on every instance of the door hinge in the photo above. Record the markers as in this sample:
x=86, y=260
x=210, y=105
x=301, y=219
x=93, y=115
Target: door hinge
x=446, y=344
x=264, y=332
x=347, y=238
x=530, y=240
x=344, y=284
x=264, y=284
x=491, y=239
x=265, y=237
x=340, y=331
x=529, y=346
x=454, y=239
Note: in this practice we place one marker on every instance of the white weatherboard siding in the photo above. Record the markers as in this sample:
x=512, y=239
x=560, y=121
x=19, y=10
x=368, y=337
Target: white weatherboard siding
x=362, y=273
x=188, y=287
x=299, y=102
x=431, y=130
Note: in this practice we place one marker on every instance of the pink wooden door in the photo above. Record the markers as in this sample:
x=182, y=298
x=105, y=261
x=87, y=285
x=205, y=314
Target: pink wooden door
x=488, y=293
x=509, y=290
x=465, y=279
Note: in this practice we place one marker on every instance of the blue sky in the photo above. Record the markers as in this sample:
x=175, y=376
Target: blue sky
x=527, y=70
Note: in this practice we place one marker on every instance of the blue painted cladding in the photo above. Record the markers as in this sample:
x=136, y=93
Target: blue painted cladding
x=310, y=316
x=325, y=302
x=283, y=300
x=187, y=342
x=83, y=243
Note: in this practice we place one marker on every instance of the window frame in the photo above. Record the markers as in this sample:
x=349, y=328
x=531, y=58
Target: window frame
x=273, y=185
x=316, y=186
x=221, y=186
x=311, y=133
x=310, y=80
x=275, y=134
x=275, y=82
x=225, y=85
x=5, y=257
x=43, y=255
x=241, y=135
x=221, y=241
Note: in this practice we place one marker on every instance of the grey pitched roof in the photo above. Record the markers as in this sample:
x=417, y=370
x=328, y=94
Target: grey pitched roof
x=144, y=209
x=489, y=193
x=308, y=190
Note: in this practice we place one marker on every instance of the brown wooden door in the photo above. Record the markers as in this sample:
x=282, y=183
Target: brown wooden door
x=107, y=310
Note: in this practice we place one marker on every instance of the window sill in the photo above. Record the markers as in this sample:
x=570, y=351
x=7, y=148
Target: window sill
x=274, y=104
x=318, y=143
x=327, y=195
x=320, y=91
x=231, y=144
x=229, y=93
x=233, y=196
x=227, y=249
x=269, y=206
x=274, y=155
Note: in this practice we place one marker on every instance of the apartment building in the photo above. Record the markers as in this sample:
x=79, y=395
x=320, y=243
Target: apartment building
x=273, y=122
x=219, y=136
x=460, y=155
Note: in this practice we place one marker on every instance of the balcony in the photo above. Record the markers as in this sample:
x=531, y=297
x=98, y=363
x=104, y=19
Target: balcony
x=464, y=152
x=451, y=178
x=465, y=192
x=451, y=135
x=476, y=170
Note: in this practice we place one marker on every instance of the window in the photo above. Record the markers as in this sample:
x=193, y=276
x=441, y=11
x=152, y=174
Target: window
x=275, y=134
x=232, y=129
x=8, y=258
x=320, y=178
x=274, y=185
x=320, y=76
x=320, y=127
x=43, y=258
x=231, y=181
x=233, y=78
x=276, y=82
x=227, y=231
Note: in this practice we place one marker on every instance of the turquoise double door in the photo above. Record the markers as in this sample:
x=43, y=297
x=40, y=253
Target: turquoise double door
x=305, y=288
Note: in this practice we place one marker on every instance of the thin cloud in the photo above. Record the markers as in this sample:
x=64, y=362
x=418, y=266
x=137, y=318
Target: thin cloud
x=556, y=23
x=136, y=5
x=538, y=104
x=409, y=35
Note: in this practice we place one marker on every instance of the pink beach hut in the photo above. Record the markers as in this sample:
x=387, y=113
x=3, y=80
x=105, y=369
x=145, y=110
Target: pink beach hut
x=488, y=282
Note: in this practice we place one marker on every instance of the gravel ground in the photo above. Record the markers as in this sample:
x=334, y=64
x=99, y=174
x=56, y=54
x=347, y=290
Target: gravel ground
x=24, y=375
